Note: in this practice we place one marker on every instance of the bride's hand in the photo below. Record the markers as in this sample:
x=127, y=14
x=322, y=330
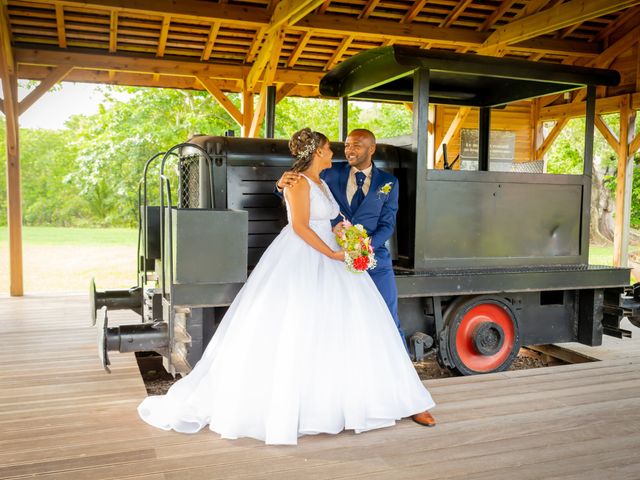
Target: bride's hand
x=339, y=226
x=338, y=255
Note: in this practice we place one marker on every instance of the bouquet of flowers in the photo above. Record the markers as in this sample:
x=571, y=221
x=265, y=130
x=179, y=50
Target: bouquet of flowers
x=356, y=243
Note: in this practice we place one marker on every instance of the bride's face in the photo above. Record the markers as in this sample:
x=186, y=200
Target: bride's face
x=324, y=156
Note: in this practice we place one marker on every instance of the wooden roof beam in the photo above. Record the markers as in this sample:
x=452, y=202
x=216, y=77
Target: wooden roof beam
x=269, y=77
x=335, y=58
x=418, y=32
x=550, y=20
x=5, y=38
x=286, y=13
x=496, y=15
x=295, y=54
x=211, y=40
x=413, y=12
x=162, y=66
x=62, y=37
x=368, y=8
x=183, y=9
x=455, y=13
x=113, y=32
x=164, y=34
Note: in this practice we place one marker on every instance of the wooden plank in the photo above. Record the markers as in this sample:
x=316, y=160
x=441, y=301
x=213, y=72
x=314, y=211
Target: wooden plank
x=6, y=56
x=368, y=8
x=624, y=184
x=113, y=32
x=57, y=75
x=413, y=11
x=455, y=13
x=552, y=19
x=269, y=76
x=192, y=10
x=335, y=58
x=299, y=48
x=62, y=40
x=155, y=65
x=211, y=40
x=164, y=33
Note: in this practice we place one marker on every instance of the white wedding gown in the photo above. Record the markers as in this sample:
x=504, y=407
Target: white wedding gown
x=306, y=347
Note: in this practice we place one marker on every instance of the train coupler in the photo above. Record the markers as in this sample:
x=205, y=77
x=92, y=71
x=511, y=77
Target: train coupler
x=625, y=304
x=129, y=299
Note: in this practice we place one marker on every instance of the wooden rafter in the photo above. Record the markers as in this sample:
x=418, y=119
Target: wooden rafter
x=335, y=58
x=323, y=8
x=550, y=20
x=222, y=99
x=113, y=32
x=368, y=8
x=194, y=10
x=56, y=75
x=255, y=45
x=496, y=15
x=577, y=109
x=623, y=18
x=5, y=40
x=455, y=13
x=413, y=11
x=164, y=34
x=62, y=37
x=211, y=40
x=295, y=54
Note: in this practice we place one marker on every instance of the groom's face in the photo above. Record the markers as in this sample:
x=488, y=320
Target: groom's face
x=358, y=149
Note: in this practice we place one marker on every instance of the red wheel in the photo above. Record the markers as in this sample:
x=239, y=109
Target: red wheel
x=482, y=335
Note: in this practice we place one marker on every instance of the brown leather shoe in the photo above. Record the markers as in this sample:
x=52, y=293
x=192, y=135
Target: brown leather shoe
x=425, y=419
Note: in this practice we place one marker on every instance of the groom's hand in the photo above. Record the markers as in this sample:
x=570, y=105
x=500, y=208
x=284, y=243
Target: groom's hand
x=288, y=179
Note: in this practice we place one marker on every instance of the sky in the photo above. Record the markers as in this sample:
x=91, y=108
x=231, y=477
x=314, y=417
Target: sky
x=55, y=107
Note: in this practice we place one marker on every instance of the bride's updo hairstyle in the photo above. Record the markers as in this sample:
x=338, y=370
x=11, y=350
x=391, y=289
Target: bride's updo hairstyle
x=302, y=145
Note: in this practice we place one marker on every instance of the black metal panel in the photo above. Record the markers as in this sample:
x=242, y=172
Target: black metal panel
x=541, y=323
x=475, y=281
x=461, y=79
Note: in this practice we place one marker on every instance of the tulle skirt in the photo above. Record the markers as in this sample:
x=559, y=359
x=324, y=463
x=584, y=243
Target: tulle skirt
x=306, y=347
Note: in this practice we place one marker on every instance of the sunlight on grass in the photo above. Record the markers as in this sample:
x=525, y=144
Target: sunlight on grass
x=65, y=259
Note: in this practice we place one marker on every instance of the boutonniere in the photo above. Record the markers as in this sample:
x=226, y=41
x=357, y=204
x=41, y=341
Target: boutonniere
x=385, y=189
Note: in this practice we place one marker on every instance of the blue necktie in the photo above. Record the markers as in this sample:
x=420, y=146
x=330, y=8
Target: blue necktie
x=358, y=197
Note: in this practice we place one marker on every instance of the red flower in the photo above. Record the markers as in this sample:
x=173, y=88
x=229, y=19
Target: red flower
x=361, y=263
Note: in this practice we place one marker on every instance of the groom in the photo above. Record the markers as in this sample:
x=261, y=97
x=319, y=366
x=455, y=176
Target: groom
x=367, y=196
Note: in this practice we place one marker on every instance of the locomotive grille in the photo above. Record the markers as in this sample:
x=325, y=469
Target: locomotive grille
x=189, y=171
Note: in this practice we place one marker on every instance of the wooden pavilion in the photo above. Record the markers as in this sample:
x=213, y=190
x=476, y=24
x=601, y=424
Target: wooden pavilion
x=247, y=46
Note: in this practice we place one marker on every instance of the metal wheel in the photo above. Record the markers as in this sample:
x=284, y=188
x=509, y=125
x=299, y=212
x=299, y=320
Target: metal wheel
x=482, y=335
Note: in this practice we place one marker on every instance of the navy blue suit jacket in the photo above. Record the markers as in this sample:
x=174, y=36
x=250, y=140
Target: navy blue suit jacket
x=376, y=213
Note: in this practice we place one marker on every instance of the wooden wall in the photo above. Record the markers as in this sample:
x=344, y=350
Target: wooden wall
x=516, y=118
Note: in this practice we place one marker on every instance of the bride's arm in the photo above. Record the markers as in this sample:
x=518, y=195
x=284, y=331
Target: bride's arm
x=298, y=198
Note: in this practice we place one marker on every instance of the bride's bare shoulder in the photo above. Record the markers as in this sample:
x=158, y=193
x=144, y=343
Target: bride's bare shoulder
x=298, y=188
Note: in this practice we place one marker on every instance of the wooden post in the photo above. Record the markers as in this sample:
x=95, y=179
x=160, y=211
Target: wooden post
x=247, y=110
x=14, y=202
x=624, y=184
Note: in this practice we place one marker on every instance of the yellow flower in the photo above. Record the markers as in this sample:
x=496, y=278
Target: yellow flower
x=386, y=188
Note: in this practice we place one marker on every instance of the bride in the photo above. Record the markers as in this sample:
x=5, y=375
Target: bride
x=306, y=347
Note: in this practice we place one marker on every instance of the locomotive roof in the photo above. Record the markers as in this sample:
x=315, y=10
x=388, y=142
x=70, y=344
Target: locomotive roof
x=385, y=74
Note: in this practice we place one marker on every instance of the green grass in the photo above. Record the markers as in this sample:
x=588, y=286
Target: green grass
x=601, y=255
x=75, y=236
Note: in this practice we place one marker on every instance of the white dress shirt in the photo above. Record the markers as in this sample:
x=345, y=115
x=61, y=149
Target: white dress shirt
x=352, y=186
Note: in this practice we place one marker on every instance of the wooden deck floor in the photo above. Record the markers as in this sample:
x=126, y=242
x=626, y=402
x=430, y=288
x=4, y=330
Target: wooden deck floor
x=62, y=417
